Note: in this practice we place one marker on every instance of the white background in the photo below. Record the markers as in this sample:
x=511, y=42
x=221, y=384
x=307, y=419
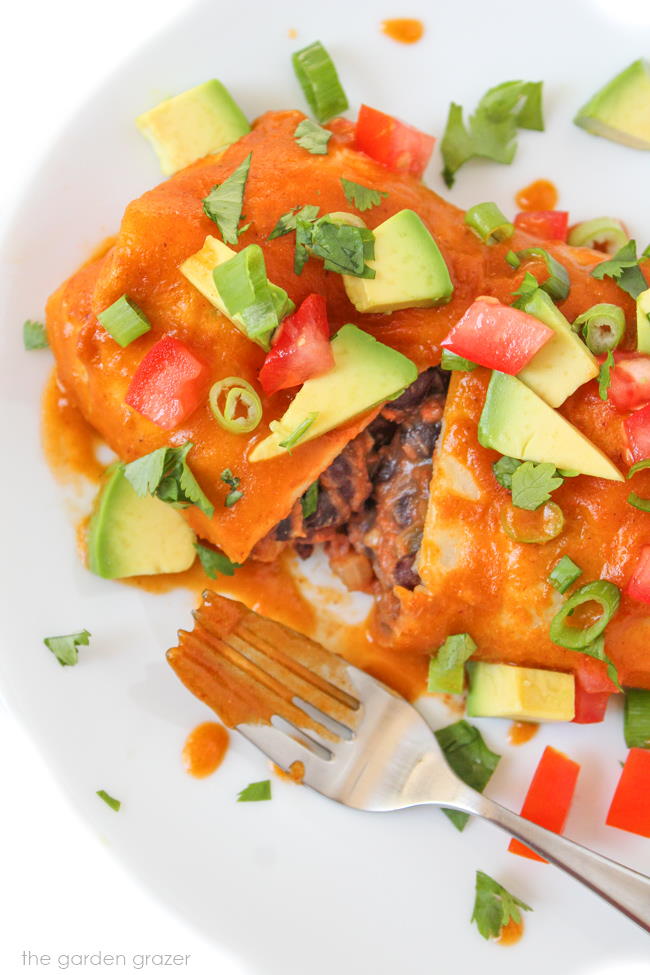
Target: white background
x=61, y=891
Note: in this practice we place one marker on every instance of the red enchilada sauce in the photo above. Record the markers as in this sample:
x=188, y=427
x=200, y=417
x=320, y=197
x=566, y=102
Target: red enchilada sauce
x=205, y=749
x=405, y=30
x=522, y=731
x=540, y=195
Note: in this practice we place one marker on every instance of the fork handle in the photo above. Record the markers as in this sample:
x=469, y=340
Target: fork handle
x=622, y=887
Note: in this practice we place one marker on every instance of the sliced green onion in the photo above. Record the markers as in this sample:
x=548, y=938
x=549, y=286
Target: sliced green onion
x=124, y=321
x=643, y=504
x=640, y=465
x=605, y=375
x=512, y=259
x=245, y=291
x=603, y=327
x=564, y=574
x=447, y=668
x=449, y=360
x=600, y=230
x=533, y=527
x=34, y=336
x=489, y=223
x=637, y=718
x=114, y=804
x=606, y=594
x=558, y=283
x=239, y=394
x=299, y=432
x=319, y=81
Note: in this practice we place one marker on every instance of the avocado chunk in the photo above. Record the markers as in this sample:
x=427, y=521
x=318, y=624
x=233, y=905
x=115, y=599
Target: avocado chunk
x=198, y=270
x=519, y=693
x=517, y=423
x=410, y=271
x=564, y=363
x=192, y=125
x=621, y=110
x=133, y=536
x=643, y=322
x=365, y=373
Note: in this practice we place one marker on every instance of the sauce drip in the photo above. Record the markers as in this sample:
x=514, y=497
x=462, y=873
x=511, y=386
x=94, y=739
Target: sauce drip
x=405, y=30
x=511, y=933
x=69, y=442
x=540, y=195
x=295, y=772
x=205, y=749
x=522, y=731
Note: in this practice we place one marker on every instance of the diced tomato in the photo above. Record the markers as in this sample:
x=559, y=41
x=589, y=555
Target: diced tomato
x=549, y=796
x=547, y=224
x=168, y=384
x=593, y=690
x=497, y=336
x=639, y=585
x=630, y=808
x=392, y=143
x=630, y=381
x=301, y=348
x=637, y=431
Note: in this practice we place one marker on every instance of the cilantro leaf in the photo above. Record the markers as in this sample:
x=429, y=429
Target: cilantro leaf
x=532, y=484
x=115, y=804
x=605, y=375
x=309, y=500
x=447, y=667
x=234, y=495
x=469, y=757
x=312, y=137
x=288, y=221
x=342, y=247
x=224, y=202
x=624, y=268
x=215, y=563
x=34, y=336
x=256, y=792
x=166, y=474
x=361, y=197
x=455, y=363
x=65, y=648
x=494, y=906
x=503, y=469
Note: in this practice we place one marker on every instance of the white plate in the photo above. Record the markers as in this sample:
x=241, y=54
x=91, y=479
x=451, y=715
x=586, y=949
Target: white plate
x=297, y=884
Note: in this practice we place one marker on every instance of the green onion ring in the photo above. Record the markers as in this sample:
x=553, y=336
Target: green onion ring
x=489, y=223
x=237, y=391
x=601, y=230
x=643, y=504
x=558, y=284
x=603, y=327
x=518, y=527
x=639, y=466
x=606, y=594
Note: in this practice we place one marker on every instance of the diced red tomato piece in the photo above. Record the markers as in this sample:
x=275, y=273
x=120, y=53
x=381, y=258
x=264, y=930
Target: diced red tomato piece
x=630, y=808
x=593, y=690
x=169, y=383
x=392, y=143
x=549, y=796
x=637, y=431
x=301, y=348
x=547, y=224
x=639, y=585
x=497, y=336
x=630, y=381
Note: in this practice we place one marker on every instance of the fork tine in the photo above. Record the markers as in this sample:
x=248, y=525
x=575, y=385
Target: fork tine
x=282, y=749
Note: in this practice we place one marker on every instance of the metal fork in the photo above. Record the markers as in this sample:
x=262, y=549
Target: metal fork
x=358, y=741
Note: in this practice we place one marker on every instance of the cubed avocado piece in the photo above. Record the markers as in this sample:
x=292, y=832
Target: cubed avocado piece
x=198, y=270
x=564, y=363
x=133, y=536
x=519, y=693
x=192, y=125
x=410, y=271
x=365, y=373
x=518, y=423
x=621, y=110
x=643, y=322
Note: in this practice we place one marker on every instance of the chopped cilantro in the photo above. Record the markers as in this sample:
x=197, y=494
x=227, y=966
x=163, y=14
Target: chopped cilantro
x=494, y=906
x=361, y=197
x=65, y=648
x=342, y=247
x=224, y=202
x=605, y=375
x=447, y=668
x=492, y=129
x=256, y=792
x=309, y=500
x=34, y=336
x=532, y=484
x=166, y=474
x=287, y=221
x=215, y=563
x=469, y=757
x=312, y=137
x=504, y=468
x=564, y=574
x=624, y=268
x=234, y=495
x=115, y=804
x=455, y=363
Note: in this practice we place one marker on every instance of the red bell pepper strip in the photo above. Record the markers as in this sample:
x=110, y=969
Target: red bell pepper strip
x=630, y=381
x=639, y=585
x=547, y=224
x=169, y=383
x=392, y=143
x=593, y=690
x=637, y=431
x=301, y=348
x=549, y=796
x=630, y=808
x=497, y=336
